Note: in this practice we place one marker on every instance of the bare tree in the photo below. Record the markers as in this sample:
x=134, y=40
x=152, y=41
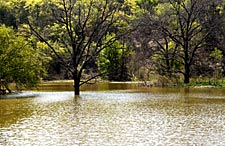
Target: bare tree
x=80, y=28
x=153, y=46
x=182, y=23
x=187, y=24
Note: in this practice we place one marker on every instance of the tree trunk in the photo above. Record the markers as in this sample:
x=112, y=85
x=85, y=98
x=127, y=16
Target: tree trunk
x=76, y=86
x=186, y=62
x=76, y=79
x=187, y=74
x=186, y=79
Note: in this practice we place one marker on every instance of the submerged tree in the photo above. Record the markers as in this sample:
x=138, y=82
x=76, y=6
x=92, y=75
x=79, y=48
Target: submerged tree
x=78, y=29
x=19, y=62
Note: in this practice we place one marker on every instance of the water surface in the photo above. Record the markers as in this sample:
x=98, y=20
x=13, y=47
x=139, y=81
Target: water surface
x=133, y=116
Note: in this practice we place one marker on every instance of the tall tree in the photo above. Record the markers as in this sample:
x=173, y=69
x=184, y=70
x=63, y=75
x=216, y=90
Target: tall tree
x=182, y=21
x=78, y=28
x=187, y=32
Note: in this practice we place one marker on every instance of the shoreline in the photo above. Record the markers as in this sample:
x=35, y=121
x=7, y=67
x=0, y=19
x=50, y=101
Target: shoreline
x=143, y=83
x=140, y=84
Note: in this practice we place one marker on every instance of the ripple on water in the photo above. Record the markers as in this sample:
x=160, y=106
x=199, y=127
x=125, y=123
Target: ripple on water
x=117, y=118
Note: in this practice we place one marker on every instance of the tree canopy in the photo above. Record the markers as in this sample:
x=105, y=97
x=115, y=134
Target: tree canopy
x=19, y=62
x=118, y=39
x=78, y=29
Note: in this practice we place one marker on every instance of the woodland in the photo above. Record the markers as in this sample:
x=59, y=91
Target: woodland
x=162, y=42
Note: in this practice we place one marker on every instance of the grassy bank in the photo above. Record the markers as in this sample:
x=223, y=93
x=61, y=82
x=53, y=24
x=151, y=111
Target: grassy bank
x=206, y=84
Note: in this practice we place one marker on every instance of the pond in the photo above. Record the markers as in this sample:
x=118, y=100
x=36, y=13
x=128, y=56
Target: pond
x=113, y=114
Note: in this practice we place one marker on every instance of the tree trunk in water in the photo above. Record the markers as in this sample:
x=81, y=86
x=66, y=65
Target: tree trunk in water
x=77, y=86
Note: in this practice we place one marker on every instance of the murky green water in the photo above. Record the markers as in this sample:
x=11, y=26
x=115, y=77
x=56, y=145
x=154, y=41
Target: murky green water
x=110, y=116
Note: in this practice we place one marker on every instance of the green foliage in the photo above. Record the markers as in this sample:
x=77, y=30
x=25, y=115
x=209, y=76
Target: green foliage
x=112, y=61
x=206, y=83
x=217, y=54
x=182, y=31
x=147, y=4
x=19, y=62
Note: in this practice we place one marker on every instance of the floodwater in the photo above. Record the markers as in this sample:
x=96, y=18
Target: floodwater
x=132, y=116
